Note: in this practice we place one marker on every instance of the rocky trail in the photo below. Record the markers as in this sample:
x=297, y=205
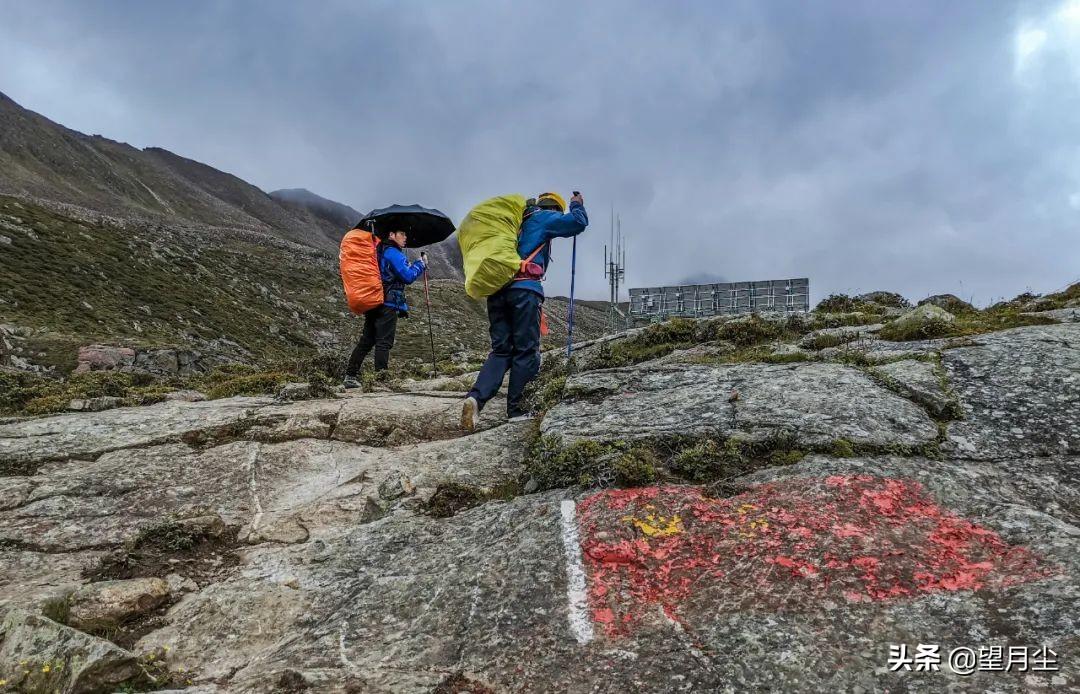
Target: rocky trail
x=921, y=493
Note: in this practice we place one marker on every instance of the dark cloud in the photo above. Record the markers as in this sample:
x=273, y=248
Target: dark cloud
x=923, y=147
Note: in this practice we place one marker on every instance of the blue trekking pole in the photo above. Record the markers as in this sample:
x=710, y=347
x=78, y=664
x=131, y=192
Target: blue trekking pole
x=570, y=313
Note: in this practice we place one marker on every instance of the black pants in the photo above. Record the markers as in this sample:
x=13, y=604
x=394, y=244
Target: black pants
x=514, y=322
x=380, y=325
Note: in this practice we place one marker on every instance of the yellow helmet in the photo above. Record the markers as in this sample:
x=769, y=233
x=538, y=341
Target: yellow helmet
x=551, y=198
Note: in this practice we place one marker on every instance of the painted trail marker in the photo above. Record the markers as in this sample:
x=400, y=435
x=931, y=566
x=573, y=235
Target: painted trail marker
x=576, y=588
x=792, y=545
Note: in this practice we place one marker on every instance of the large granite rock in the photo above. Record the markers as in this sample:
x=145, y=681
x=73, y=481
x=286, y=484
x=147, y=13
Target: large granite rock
x=106, y=604
x=105, y=358
x=363, y=418
x=922, y=382
x=815, y=403
x=279, y=492
x=1061, y=315
x=1020, y=392
x=948, y=302
x=158, y=361
x=39, y=655
x=883, y=298
x=918, y=321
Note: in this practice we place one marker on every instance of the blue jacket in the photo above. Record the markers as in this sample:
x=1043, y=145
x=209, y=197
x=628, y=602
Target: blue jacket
x=540, y=227
x=397, y=271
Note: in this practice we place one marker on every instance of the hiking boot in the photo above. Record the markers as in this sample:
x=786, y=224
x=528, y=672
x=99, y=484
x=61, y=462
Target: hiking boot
x=350, y=382
x=470, y=412
x=523, y=417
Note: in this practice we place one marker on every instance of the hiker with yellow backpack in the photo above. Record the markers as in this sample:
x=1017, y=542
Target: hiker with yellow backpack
x=506, y=247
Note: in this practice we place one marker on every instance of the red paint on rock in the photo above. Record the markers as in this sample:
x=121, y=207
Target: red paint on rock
x=784, y=545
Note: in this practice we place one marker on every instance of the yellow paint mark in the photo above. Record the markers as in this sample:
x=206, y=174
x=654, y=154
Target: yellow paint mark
x=749, y=527
x=746, y=508
x=653, y=525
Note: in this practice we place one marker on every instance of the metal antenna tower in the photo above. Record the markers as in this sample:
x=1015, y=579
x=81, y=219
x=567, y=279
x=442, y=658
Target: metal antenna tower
x=615, y=271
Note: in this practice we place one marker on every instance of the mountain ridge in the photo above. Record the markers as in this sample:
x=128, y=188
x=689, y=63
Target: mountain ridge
x=45, y=159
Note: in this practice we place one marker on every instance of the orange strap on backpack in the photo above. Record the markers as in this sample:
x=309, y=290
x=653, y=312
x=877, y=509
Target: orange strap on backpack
x=523, y=270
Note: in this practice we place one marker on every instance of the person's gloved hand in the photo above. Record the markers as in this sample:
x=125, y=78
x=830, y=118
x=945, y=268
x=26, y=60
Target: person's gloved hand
x=576, y=197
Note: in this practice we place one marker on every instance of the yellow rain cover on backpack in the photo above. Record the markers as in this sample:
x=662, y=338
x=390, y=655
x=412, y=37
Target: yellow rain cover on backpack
x=488, y=238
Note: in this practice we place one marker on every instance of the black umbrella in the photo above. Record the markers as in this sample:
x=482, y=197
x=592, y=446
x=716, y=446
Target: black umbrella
x=424, y=226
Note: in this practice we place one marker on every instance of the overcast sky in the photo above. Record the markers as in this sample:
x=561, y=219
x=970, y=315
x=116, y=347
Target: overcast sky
x=922, y=147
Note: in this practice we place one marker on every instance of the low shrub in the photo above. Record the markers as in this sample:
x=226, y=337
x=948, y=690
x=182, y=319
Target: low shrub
x=635, y=468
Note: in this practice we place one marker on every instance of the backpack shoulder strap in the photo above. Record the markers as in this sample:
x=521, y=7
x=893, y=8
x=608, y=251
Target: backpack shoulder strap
x=532, y=255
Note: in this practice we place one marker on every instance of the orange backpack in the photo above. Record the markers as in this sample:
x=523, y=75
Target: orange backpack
x=360, y=274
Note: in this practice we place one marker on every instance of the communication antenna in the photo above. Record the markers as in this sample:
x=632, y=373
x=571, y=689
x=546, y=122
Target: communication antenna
x=615, y=271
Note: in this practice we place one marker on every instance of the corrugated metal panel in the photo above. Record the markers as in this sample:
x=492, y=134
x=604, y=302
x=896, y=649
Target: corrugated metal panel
x=788, y=295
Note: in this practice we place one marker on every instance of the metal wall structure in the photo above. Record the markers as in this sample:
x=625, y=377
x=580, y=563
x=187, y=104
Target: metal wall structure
x=785, y=296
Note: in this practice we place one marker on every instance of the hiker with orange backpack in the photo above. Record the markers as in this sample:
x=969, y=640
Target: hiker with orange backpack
x=514, y=312
x=380, y=322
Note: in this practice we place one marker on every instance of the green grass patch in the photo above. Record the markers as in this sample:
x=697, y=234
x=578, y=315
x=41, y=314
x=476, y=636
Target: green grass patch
x=34, y=394
x=655, y=341
x=842, y=303
x=451, y=498
x=760, y=354
x=248, y=384
x=636, y=467
x=966, y=324
x=549, y=387
x=817, y=321
x=709, y=460
x=842, y=448
x=827, y=340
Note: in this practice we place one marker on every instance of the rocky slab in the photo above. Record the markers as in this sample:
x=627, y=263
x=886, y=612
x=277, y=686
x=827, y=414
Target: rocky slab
x=1020, y=392
x=921, y=381
x=376, y=420
x=816, y=402
x=39, y=655
x=273, y=492
x=824, y=565
x=802, y=578
x=1061, y=315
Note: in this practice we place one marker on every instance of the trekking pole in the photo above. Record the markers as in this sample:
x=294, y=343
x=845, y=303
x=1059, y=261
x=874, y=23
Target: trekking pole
x=431, y=334
x=570, y=312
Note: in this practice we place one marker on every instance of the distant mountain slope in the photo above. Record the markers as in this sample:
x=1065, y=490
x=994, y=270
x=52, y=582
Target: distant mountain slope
x=44, y=159
x=335, y=214
x=71, y=278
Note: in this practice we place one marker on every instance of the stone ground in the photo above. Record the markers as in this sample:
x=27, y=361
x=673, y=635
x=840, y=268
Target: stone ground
x=333, y=574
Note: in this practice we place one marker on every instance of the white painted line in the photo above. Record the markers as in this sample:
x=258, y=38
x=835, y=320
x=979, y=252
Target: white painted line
x=253, y=465
x=580, y=624
x=341, y=645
